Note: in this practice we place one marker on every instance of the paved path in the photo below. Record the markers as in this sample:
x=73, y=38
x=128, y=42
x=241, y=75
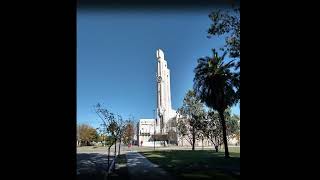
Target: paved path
x=92, y=162
x=141, y=168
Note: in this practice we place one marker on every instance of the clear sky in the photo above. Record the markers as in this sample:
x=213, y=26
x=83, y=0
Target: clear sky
x=116, y=58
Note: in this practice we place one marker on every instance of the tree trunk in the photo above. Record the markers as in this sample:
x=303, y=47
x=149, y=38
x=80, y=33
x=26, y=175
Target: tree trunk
x=119, y=147
x=216, y=147
x=115, y=148
x=109, y=156
x=115, y=153
x=224, y=131
x=193, y=138
x=202, y=143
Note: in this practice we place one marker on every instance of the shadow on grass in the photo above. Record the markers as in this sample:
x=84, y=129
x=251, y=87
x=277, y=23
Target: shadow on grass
x=199, y=164
x=134, y=161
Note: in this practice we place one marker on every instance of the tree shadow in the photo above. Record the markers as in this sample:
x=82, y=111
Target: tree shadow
x=141, y=168
x=92, y=165
x=132, y=162
x=201, y=162
x=121, y=170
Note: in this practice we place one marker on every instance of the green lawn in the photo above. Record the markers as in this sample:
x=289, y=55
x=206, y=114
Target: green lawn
x=233, y=150
x=199, y=164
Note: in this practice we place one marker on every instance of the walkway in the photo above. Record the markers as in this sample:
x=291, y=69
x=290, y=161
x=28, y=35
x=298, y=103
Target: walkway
x=141, y=168
x=92, y=162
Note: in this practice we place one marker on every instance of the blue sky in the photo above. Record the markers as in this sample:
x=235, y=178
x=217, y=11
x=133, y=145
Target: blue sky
x=116, y=58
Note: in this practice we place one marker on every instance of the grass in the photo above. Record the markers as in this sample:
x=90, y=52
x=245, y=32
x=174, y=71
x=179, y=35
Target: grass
x=233, y=150
x=199, y=164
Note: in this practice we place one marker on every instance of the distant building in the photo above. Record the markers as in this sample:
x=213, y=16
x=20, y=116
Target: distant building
x=164, y=112
x=166, y=117
x=146, y=129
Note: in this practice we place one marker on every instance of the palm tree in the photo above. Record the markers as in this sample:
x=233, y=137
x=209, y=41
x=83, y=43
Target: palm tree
x=217, y=86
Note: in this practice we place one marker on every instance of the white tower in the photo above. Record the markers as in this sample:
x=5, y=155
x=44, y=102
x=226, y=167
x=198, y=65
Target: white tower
x=164, y=110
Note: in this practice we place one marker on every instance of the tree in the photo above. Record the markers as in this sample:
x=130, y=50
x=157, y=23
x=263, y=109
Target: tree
x=171, y=127
x=182, y=129
x=212, y=129
x=121, y=127
x=114, y=125
x=128, y=132
x=102, y=134
x=86, y=134
x=113, y=128
x=109, y=127
x=201, y=134
x=237, y=136
x=193, y=113
x=172, y=136
x=214, y=84
x=78, y=136
x=233, y=127
x=227, y=23
x=96, y=136
x=101, y=138
x=109, y=141
x=232, y=123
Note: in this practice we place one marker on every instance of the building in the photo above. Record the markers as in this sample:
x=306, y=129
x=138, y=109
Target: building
x=146, y=129
x=166, y=117
x=164, y=111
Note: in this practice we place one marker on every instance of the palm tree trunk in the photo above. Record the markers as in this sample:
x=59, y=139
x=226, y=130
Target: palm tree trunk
x=193, y=138
x=119, y=147
x=224, y=131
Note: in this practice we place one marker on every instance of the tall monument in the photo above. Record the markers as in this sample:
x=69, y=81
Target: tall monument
x=147, y=128
x=164, y=110
x=164, y=113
